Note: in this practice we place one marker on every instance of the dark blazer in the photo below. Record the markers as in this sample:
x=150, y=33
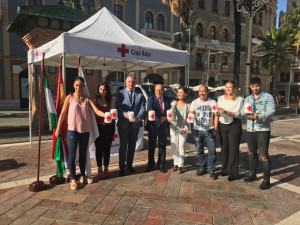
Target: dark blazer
x=153, y=104
x=124, y=105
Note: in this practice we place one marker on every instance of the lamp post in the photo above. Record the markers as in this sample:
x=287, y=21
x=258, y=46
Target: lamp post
x=250, y=7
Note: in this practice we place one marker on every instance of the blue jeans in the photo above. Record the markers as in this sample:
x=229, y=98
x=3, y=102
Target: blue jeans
x=210, y=140
x=73, y=138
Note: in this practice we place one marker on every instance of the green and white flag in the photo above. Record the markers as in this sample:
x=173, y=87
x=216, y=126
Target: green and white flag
x=52, y=114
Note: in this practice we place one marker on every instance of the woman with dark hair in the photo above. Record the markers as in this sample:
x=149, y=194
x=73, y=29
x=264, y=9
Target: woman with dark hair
x=179, y=128
x=103, y=102
x=230, y=106
x=78, y=108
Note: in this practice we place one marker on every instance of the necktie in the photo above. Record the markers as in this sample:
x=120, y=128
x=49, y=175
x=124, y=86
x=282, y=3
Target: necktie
x=130, y=96
x=161, y=106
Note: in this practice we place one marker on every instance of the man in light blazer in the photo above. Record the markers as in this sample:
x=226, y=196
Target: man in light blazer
x=158, y=128
x=129, y=99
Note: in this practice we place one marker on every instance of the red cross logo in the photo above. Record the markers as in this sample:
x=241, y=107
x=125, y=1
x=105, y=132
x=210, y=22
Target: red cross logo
x=107, y=118
x=123, y=50
x=133, y=117
x=214, y=107
x=190, y=118
x=114, y=115
x=170, y=115
x=152, y=116
x=249, y=108
x=36, y=54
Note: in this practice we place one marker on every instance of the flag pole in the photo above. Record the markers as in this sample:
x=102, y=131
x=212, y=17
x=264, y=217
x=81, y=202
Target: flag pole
x=78, y=66
x=39, y=185
x=55, y=180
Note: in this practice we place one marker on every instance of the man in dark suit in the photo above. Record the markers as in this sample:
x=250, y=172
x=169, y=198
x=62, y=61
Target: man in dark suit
x=129, y=99
x=158, y=128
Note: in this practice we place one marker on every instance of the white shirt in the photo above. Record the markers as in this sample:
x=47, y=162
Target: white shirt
x=234, y=106
x=204, y=116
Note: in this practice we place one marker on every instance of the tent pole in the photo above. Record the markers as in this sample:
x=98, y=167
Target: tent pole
x=64, y=77
x=78, y=66
x=29, y=102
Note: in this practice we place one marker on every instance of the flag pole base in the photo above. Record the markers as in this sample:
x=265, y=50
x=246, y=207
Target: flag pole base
x=37, y=186
x=55, y=180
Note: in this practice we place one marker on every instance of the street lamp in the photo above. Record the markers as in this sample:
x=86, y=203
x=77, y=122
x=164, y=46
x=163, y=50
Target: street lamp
x=250, y=7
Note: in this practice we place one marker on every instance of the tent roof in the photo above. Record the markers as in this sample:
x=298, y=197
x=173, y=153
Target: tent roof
x=105, y=42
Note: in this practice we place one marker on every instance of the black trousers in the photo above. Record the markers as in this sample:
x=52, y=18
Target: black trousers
x=260, y=141
x=230, y=138
x=103, y=143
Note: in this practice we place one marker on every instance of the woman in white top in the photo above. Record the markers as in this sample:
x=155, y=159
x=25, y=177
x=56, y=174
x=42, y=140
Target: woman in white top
x=230, y=106
x=179, y=128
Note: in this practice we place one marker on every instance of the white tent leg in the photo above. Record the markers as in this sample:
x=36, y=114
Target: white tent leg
x=29, y=102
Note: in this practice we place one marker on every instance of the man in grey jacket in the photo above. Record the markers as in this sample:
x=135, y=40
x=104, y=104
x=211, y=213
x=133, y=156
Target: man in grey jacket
x=262, y=107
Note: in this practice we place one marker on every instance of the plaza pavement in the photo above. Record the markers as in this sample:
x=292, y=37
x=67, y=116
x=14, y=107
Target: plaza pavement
x=153, y=197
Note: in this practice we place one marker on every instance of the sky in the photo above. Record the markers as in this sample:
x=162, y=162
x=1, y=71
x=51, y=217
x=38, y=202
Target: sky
x=281, y=6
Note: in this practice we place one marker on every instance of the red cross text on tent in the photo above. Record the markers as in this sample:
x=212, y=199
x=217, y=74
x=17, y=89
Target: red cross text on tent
x=123, y=50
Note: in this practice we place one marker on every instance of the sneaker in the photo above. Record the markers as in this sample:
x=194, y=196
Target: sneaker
x=250, y=179
x=122, y=173
x=265, y=185
x=82, y=179
x=213, y=176
x=201, y=172
x=130, y=169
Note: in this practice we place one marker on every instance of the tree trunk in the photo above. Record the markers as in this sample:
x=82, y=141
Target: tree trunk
x=237, y=46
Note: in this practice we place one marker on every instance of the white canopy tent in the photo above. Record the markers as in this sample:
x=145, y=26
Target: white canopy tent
x=104, y=42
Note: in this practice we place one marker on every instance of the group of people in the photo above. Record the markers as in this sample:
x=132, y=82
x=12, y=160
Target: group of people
x=201, y=118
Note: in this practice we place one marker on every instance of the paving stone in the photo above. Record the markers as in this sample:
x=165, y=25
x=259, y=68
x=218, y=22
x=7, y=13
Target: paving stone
x=4, y=219
x=121, y=211
x=53, y=204
x=12, y=192
x=66, y=197
x=43, y=221
x=100, y=193
x=258, y=205
x=155, y=204
x=3, y=191
x=74, y=216
x=15, y=201
x=30, y=216
x=239, y=196
x=137, y=188
x=222, y=219
x=212, y=187
x=161, y=179
x=62, y=222
x=263, y=216
x=154, y=221
x=252, y=190
x=173, y=185
x=137, y=216
x=291, y=199
x=173, y=222
x=181, y=216
x=187, y=190
x=152, y=196
x=203, y=204
x=241, y=216
x=219, y=205
x=109, y=203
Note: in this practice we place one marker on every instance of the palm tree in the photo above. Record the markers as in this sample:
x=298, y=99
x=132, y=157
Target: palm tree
x=182, y=9
x=277, y=48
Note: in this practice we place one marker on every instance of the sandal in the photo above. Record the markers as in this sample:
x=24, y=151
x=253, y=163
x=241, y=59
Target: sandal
x=179, y=171
x=73, y=185
x=89, y=180
x=106, y=173
x=174, y=168
x=82, y=179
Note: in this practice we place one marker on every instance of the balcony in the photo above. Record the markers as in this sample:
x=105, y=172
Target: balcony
x=157, y=33
x=213, y=44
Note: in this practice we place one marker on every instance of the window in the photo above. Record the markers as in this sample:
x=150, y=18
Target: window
x=227, y=8
x=199, y=64
x=200, y=29
x=212, y=58
x=160, y=22
x=149, y=20
x=215, y=6
x=225, y=35
x=254, y=19
x=118, y=11
x=35, y=2
x=201, y=4
x=88, y=4
x=297, y=77
x=212, y=33
x=225, y=61
x=284, y=77
x=259, y=18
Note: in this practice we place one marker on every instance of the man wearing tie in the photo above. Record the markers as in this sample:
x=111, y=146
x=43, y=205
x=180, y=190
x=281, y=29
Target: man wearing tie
x=159, y=127
x=129, y=100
